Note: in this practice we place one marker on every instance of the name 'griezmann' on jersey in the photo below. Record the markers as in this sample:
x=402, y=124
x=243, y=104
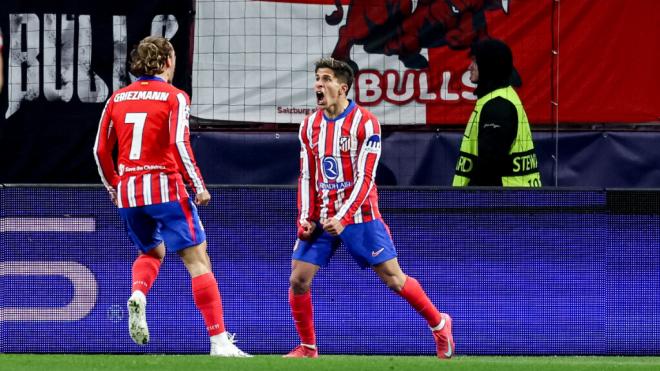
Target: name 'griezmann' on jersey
x=149, y=121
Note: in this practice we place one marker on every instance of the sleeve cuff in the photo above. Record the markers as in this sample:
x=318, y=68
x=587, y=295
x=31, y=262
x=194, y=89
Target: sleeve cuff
x=343, y=220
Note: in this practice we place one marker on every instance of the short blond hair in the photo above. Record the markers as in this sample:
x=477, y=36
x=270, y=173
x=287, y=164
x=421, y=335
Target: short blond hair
x=150, y=56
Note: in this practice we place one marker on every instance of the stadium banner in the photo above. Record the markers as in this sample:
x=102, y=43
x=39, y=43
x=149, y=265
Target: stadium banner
x=63, y=59
x=533, y=272
x=254, y=59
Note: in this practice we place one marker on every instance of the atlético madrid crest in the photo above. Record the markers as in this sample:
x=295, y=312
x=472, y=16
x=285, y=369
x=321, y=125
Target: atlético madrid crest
x=345, y=144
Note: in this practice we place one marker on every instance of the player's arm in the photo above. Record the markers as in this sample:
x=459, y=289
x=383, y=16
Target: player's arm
x=180, y=140
x=307, y=207
x=498, y=126
x=369, y=142
x=106, y=137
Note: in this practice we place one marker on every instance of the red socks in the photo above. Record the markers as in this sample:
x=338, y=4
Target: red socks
x=415, y=295
x=301, y=309
x=303, y=316
x=207, y=299
x=145, y=270
x=205, y=291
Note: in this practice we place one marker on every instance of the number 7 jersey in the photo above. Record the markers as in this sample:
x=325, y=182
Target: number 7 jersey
x=149, y=121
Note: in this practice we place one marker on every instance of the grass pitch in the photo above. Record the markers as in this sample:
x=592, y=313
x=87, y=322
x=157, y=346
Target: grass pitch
x=93, y=362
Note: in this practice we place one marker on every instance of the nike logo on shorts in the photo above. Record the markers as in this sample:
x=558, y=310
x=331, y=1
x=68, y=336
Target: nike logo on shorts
x=377, y=252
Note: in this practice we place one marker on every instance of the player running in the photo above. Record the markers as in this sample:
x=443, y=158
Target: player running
x=338, y=202
x=149, y=121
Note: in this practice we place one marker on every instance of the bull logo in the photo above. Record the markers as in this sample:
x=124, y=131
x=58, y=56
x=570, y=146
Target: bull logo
x=391, y=27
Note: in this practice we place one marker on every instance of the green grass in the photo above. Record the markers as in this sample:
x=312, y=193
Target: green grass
x=57, y=362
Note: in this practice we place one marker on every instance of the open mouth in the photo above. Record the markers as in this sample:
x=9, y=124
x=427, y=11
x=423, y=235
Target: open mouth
x=320, y=98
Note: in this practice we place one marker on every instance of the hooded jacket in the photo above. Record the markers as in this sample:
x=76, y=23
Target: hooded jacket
x=499, y=119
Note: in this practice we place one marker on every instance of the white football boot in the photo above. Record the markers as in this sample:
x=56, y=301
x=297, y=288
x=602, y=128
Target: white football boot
x=222, y=345
x=137, y=318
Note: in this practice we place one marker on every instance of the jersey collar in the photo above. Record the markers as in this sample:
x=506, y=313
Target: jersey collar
x=151, y=78
x=349, y=108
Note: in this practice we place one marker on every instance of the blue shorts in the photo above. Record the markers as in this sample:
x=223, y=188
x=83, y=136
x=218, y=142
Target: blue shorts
x=176, y=223
x=368, y=243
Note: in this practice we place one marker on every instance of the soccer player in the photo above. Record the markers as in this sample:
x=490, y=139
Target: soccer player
x=149, y=121
x=338, y=202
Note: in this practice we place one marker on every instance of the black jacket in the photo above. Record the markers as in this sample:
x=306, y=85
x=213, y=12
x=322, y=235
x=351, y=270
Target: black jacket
x=498, y=124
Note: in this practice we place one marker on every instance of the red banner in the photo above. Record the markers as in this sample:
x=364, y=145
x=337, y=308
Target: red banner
x=607, y=62
x=526, y=27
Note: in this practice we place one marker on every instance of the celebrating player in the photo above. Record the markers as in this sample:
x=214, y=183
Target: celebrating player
x=338, y=202
x=149, y=120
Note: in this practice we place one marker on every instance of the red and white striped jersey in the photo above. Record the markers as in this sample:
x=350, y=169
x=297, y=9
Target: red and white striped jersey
x=338, y=160
x=149, y=120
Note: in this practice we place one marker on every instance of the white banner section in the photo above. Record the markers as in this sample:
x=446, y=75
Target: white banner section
x=254, y=62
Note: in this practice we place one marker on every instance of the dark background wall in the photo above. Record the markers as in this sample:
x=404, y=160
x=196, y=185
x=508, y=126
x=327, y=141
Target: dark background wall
x=567, y=159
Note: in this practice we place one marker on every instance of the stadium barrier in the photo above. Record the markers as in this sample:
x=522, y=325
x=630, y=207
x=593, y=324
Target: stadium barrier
x=544, y=271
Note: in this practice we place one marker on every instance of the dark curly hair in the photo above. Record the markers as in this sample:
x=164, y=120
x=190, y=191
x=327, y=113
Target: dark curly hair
x=150, y=56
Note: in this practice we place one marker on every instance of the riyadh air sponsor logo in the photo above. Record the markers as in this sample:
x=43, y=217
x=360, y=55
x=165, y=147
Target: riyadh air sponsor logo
x=377, y=252
x=330, y=168
x=335, y=186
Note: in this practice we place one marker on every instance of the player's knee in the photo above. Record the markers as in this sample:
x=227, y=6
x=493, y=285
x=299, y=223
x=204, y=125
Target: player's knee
x=394, y=283
x=158, y=252
x=197, y=270
x=299, y=285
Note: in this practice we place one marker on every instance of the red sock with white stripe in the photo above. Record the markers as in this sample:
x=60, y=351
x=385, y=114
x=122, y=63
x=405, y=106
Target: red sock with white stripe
x=303, y=316
x=207, y=299
x=144, y=272
x=415, y=295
